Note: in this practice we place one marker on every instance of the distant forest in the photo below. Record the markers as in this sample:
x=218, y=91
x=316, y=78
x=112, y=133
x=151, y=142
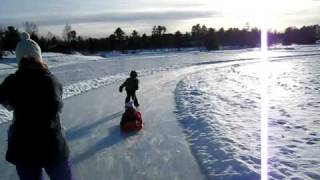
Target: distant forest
x=199, y=37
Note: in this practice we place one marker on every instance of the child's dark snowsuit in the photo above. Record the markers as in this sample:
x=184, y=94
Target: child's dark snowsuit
x=131, y=85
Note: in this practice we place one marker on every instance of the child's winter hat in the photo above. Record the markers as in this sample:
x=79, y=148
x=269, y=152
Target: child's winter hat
x=27, y=48
x=129, y=105
x=133, y=74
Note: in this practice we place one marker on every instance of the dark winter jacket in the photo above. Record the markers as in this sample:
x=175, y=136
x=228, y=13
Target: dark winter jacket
x=35, y=135
x=131, y=85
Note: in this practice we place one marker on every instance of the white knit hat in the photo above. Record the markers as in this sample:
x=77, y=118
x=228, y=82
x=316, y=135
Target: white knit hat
x=27, y=48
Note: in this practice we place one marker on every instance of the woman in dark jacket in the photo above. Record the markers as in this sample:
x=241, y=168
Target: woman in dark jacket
x=35, y=138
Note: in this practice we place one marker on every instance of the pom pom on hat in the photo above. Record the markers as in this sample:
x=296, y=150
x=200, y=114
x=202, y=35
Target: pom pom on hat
x=24, y=36
x=27, y=48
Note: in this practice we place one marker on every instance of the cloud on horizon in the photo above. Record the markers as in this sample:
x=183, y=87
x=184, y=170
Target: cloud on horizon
x=120, y=17
x=308, y=16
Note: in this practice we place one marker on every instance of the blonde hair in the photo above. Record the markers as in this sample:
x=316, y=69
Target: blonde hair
x=32, y=63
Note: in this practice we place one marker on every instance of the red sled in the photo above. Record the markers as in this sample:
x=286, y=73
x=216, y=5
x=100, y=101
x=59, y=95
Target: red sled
x=131, y=126
x=131, y=121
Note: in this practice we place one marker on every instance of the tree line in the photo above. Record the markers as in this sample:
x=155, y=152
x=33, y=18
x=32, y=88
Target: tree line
x=199, y=37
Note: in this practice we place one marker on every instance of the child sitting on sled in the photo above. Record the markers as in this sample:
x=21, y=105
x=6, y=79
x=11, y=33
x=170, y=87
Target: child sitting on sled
x=131, y=119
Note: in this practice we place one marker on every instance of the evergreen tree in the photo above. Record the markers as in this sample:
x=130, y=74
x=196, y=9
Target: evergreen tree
x=1, y=41
x=178, y=40
x=134, y=40
x=196, y=35
x=211, y=42
x=11, y=38
x=157, y=36
x=113, y=42
x=199, y=34
x=119, y=37
x=119, y=33
x=145, y=42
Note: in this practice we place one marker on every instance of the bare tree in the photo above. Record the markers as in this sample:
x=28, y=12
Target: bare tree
x=49, y=35
x=65, y=33
x=31, y=28
x=158, y=30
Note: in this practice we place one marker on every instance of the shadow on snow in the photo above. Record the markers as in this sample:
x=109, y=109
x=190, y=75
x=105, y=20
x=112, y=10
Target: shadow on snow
x=114, y=136
x=79, y=132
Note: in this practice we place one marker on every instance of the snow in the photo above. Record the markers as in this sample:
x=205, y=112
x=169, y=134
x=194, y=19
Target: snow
x=201, y=112
x=294, y=121
x=80, y=74
x=219, y=110
x=100, y=151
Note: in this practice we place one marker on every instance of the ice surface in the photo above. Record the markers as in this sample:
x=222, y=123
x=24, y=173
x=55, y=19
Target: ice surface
x=80, y=73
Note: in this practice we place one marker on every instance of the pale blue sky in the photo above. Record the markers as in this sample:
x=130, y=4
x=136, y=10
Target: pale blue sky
x=99, y=18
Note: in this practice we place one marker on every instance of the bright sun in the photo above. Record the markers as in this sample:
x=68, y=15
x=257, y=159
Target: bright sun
x=254, y=12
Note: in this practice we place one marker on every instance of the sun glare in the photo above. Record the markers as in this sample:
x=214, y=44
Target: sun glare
x=264, y=73
x=249, y=11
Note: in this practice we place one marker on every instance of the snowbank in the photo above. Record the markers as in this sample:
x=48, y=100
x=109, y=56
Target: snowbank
x=220, y=114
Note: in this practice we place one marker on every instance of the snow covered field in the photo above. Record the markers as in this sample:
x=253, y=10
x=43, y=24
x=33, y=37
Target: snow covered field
x=295, y=119
x=213, y=97
x=219, y=110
